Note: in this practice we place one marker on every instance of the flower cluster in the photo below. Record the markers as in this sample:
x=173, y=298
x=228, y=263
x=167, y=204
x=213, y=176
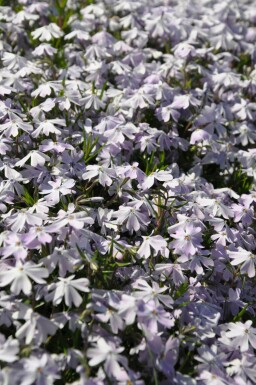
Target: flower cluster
x=127, y=192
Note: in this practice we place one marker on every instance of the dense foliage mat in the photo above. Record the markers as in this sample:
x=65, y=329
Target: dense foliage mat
x=127, y=192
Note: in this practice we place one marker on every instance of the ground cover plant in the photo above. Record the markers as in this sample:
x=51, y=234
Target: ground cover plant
x=127, y=192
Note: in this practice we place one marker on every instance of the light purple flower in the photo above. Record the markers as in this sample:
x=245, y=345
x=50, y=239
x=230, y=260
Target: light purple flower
x=131, y=217
x=188, y=240
x=152, y=316
x=146, y=292
x=39, y=370
x=108, y=354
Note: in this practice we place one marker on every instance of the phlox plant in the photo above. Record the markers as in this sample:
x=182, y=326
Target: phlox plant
x=127, y=192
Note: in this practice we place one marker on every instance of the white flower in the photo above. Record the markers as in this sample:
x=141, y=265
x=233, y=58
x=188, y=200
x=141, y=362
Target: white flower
x=110, y=315
x=18, y=220
x=44, y=49
x=92, y=101
x=36, y=158
x=48, y=126
x=140, y=99
x=18, y=276
x=39, y=371
x=79, y=34
x=47, y=32
x=14, y=245
x=38, y=112
x=55, y=189
x=8, y=349
x=12, y=127
x=162, y=176
x=131, y=217
x=103, y=173
x=46, y=89
x=244, y=258
x=67, y=288
x=76, y=220
x=215, y=377
x=183, y=50
x=107, y=353
x=242, y=335
x=128, y=308
x=36, y=327
x=246, y=134
x=217, y=208
x=11, y=60
x=14, y=179
x=65, y=260
x=5, y=90
x=146, y=292
x=156, y=242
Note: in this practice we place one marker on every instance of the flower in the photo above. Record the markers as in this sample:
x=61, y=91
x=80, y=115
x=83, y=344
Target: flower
x=9, y=349
x=45, y=90
x=44, y=49
x=156, y=242
x=109, y=314
x=14, y=245
x=36, y=158
x=37, y=236
x=18, y=220
x=55, y=189
x=174, y=270
x=243, y=368
x=209, y=358
x=18, y=276
x=131, y=217
x=188, y=240
x=103, y=173
x=39, y=370
x=214, y=377
x=128, y=309
x=244, y=258
x=107, y=353
x=36, y=327
x=47, y=32
x=68, y=288
x=69, y=217
x=146, y=292
x=243, y=335
x=65, y=260
x=152, y=315
x=12, y=127
x=48, y=127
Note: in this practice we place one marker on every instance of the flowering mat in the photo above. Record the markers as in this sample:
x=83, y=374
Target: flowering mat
x=127, y=192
